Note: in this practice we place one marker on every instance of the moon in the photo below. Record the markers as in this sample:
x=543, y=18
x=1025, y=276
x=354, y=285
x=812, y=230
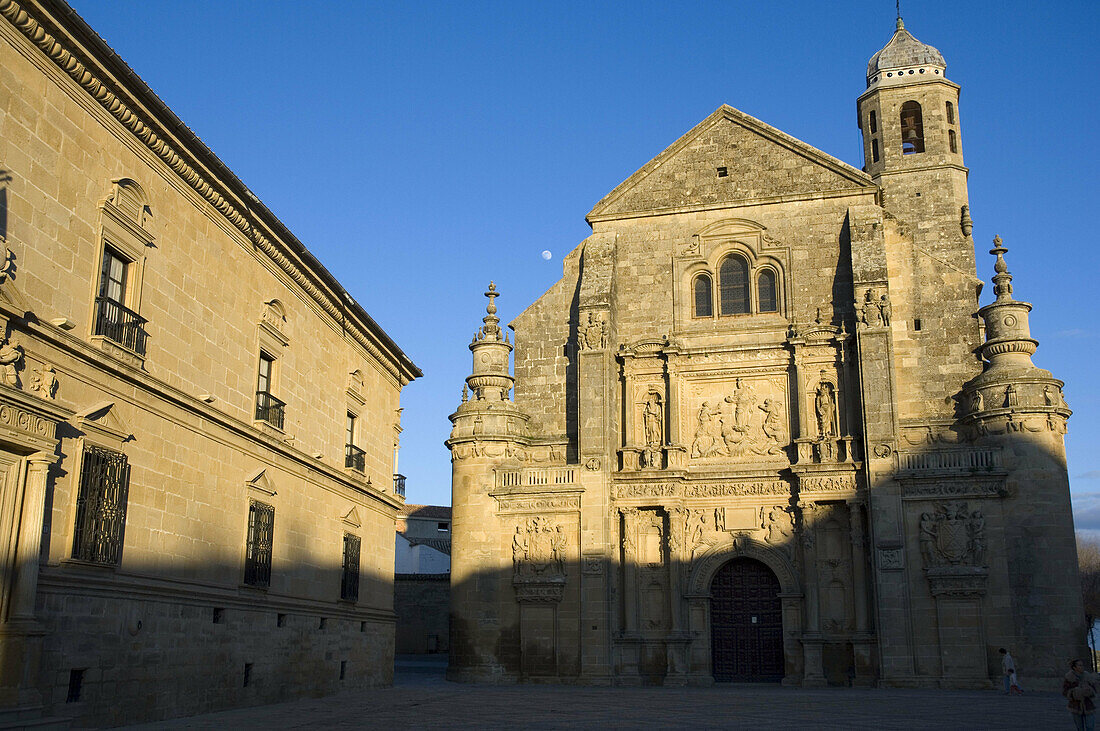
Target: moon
x=546, y=255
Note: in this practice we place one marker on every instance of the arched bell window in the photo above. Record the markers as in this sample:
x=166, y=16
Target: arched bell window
x=912, y=128
x=733, y=286
x=767, y=295
x=704, y=300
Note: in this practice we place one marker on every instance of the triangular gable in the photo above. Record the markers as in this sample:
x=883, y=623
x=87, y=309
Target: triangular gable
x=259, y=480
x=352, y=518
x=103, y=420
x=759, y=161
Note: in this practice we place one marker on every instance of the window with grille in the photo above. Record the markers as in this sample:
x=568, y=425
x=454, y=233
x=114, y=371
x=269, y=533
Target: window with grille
x=268, y=408
x=101, y=506
x=349, y=584
x=261, y=531
x=703, y=299
x=733, y=286
x=766, y=292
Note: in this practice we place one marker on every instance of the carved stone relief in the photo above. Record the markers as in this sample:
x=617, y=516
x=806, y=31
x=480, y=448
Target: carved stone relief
x=653, y=430
x=874, y=310
x=952, y=535
x=45, y=382
x=538, y=549
x=779, y=526
x=591, y=331
x=736, y=421
x=11, y=355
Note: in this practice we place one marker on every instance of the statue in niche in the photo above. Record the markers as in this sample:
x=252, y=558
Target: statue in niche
x=652, y=418
x=976, y=401
x=772, y=427
x=45, y=382
x=779, y=526
x=518, y=550
x=719, y=519
x=558, y=549
x=594, y=336
x=1053, y=396
x=707, y=441
x=826, y=449
x=927, y=537
x=1011, y=398
x=825, y=405
x=10, y=355
x=884, y=309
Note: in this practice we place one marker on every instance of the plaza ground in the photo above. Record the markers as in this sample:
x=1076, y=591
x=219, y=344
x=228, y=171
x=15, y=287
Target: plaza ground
x=421, y=698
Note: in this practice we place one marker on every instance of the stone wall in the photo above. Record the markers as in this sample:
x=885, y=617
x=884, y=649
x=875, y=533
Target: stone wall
x=422, y=603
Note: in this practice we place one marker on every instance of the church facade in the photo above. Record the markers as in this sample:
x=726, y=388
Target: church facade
x=763, y=431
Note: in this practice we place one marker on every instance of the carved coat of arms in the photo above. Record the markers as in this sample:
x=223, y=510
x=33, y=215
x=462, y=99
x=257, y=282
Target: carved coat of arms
x=952, y=535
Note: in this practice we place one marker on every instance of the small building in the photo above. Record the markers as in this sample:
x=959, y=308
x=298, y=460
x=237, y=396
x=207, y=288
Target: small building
x=422, y=575
x=198, y=425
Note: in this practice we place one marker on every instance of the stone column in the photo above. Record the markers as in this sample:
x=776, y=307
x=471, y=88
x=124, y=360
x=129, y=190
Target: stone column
x=676, y=648
x=812, y=641
x=29, y=545
x=862, y=640
x=630, y=568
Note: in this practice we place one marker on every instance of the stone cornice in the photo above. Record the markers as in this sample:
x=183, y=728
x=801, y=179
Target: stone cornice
x=148, y=119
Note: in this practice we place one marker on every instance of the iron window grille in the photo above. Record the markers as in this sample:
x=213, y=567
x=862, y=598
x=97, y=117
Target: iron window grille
x=261, y=531
x=399, y=485
x=101, y=506
x=349, y=583
x=269, y=409
x=120, y=324
x=354, y=458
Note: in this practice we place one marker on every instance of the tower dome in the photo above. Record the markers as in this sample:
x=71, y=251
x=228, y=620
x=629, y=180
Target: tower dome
x=904, y=59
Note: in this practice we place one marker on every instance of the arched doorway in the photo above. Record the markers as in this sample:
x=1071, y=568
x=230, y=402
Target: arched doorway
x=746, y=623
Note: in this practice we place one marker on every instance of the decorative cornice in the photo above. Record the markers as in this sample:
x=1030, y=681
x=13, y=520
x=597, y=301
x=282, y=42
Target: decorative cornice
x=78, y=71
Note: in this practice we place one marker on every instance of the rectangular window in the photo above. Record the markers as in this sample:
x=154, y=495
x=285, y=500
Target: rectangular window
x=354, y=457
x=101, y=506
x=442, y=527
x=349, y=584
x=950, y=113
x=873, y=122
x=268, y=408
x=261, y=532
x=874, y=150
x=113, y=320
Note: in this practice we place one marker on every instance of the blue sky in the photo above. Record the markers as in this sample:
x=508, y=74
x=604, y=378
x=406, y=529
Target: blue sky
x=421, y=149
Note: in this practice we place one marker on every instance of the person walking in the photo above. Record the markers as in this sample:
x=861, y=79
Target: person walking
x=1008, y=673
x=1079, y=688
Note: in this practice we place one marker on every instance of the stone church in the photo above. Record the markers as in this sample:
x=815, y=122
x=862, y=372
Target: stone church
x=763, y=431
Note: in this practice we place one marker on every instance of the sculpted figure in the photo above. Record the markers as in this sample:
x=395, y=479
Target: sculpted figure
x=699, y=529
x=772, y=428
x=652, y=418
x=45, y=382
x=558, y=549
x=927, y=538
x=593, y=332
x=1011, y=398
x=976, y=529
x=519, y=551
x=10, y=355
x=868, y=309
x=825, y=405
x=884, y=309
x=779, y=527
x=704, y=444
x=976, y=401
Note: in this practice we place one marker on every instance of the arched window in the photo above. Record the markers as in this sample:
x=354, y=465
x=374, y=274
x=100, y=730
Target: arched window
x=767, y=298
x=950, y=113
x=704, y=302
x=912, y=129
x=953, y=139
x=874, y=121
x=733, y=285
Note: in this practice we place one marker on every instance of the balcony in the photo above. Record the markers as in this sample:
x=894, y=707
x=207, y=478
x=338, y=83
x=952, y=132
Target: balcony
x=354, y=458
x=119, y=324
x=399, y=485
x=269, y=409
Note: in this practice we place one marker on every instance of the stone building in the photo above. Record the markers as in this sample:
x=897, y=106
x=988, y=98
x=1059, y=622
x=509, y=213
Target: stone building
x=422, y=579
x=762, y=429
x=198, y=424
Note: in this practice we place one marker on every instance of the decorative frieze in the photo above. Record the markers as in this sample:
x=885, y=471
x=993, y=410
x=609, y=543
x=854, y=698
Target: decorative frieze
x=537, y=504
x=827, y=483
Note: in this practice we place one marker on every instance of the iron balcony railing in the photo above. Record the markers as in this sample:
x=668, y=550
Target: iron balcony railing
x=117, y=323
x=269, y=409
x=354, y=457
x=399, y=485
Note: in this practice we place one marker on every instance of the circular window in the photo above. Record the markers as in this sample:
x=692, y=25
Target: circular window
x=922, y=71
x=888, y=75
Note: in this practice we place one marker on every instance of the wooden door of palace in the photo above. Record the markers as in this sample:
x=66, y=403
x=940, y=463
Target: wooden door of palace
x=746, y=623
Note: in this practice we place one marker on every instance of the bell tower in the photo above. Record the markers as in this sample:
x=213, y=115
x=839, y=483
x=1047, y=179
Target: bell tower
x=912, y=145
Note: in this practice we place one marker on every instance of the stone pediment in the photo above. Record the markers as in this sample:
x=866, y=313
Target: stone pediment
x=105, y=422
x=759, y=161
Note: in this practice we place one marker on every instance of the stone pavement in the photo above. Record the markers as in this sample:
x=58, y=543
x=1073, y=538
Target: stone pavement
x=421, y=698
